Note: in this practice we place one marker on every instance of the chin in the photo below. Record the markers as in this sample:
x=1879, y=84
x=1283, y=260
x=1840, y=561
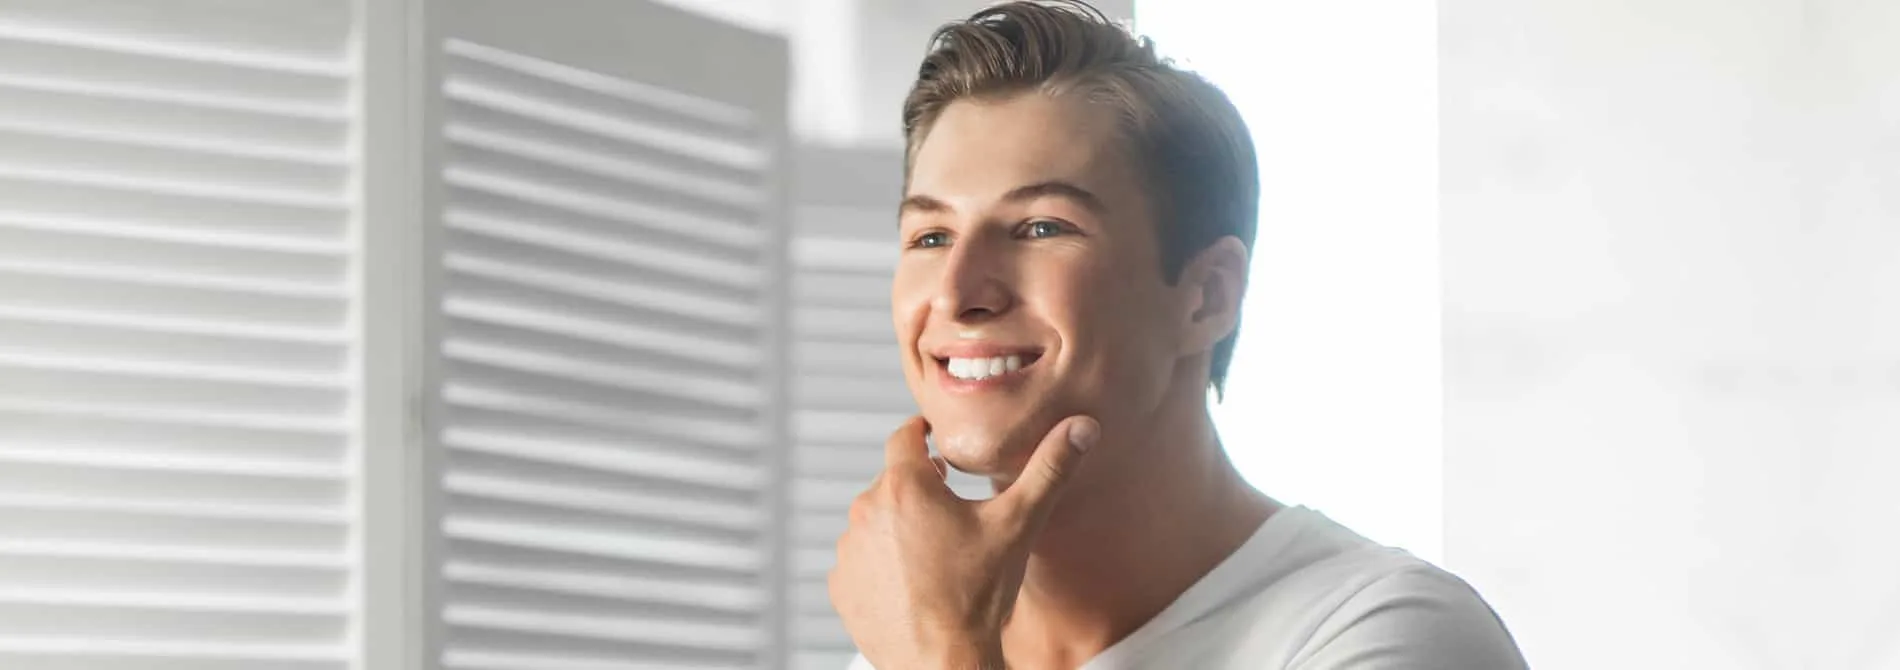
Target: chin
x=977, y=448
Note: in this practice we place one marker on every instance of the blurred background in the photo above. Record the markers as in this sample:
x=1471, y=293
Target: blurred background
x=505, y=335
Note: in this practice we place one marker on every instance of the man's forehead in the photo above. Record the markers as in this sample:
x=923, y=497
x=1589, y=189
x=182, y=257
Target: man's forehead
x=987, y=148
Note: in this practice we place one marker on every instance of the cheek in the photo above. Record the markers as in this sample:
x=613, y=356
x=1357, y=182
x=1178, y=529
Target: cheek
x=909, y=309
x=908, y=303
x=1119, y=326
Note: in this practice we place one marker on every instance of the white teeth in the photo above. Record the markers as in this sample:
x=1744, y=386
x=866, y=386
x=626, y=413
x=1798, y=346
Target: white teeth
x=983, y=368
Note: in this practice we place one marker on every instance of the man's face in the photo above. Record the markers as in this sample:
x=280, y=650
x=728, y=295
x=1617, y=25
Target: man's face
x=1029, y=287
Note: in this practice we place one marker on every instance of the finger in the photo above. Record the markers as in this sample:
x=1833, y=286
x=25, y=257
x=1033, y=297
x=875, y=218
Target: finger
x=906, y=450
x=1051, y=466
x=943, y=467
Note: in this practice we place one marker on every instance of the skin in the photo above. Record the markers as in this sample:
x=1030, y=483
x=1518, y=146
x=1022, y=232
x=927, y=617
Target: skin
x=1026, y=228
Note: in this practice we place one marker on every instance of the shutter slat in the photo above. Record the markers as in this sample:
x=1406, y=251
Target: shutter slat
x=210, y=351
x=623, y=457
x=90, y=652
x=830, y=357
x=131, y=182
x=147, y=119
x=619, y=503
x=29, y=363
x=173, y=528
x=286, y=36
x=544, y=193
x=868, y=255
x=179, y=280
x=106, y=319
x=294, y=182
x=733, y=116
x=591, y=158
x=326, y=253
x=169, y=579
x=826, y=495
x=811, y=596
x=635, y=295
x=726, y=596
x=476, y=659
x=286, y=422
x=245, y=511
x=125, y=387
x=644, y=630
x=843, y=325
x=223, y=557
x=94, y=476
x=59, y=200
x=99, y=57
x=474, y=89
x=710, y=432
x=186, y=601
x=604, y=373
x=159, y=94
x=204, y=655
x=570, y=239
x=606, y=329
x=131, y=623
x=855, y=427
x=850, y=290
x=126, y=248
x=858, y=462
x=605, y=543
x=821, y=391
x=182, y=298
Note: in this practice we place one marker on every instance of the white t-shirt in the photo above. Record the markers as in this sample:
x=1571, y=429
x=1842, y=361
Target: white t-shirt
x=1305, y=593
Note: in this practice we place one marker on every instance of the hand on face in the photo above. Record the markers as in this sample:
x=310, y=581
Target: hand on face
x=926, y=579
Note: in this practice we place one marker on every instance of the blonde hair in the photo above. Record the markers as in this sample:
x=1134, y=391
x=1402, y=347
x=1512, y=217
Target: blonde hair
x=1186, y=138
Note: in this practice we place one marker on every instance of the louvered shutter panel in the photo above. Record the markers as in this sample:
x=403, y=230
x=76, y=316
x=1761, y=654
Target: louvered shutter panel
x=177, y=299
x=610, y=412
x=848, y=390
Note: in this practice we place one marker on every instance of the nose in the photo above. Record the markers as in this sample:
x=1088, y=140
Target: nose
x=973, y=288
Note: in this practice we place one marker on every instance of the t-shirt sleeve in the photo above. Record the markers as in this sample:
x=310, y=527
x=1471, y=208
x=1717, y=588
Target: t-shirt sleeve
x=858, y=663
x=1416, y=619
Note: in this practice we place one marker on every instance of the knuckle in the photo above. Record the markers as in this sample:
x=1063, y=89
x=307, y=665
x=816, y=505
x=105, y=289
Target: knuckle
x=1051, y=473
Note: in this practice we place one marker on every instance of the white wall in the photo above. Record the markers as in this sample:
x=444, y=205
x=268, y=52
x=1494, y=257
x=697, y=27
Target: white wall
x=1672, y=332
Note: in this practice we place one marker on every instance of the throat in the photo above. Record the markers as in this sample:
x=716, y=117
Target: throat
x=1118, y=553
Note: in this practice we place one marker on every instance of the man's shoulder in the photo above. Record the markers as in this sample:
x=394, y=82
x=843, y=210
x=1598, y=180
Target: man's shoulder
x=1381, y=598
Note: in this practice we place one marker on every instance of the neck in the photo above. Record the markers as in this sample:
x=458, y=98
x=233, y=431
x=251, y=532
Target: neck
x=1145, y=520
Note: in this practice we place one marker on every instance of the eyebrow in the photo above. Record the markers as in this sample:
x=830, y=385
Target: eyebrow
x=1055, y=187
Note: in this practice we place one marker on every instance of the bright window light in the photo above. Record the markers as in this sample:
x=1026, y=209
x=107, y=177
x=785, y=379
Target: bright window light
x=1334, y=398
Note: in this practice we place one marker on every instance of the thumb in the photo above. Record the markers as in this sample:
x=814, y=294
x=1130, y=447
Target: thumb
x=1051, y=466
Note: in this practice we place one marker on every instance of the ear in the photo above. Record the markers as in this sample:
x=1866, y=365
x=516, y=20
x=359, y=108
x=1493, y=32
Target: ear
x=1212, y=283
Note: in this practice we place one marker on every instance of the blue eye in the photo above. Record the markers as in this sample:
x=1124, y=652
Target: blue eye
x=930, y=241
x=1044, y=229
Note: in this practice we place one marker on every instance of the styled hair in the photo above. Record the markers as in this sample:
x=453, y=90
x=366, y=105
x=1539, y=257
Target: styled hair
x=1186, y=139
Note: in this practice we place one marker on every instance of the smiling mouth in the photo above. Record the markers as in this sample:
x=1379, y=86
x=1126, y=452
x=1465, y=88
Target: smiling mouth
x=978, y=369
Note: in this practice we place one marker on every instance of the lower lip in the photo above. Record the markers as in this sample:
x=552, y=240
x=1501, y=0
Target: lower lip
x=1008, y=379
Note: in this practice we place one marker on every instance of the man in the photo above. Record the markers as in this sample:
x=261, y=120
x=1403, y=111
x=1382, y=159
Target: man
x=1075, y=232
